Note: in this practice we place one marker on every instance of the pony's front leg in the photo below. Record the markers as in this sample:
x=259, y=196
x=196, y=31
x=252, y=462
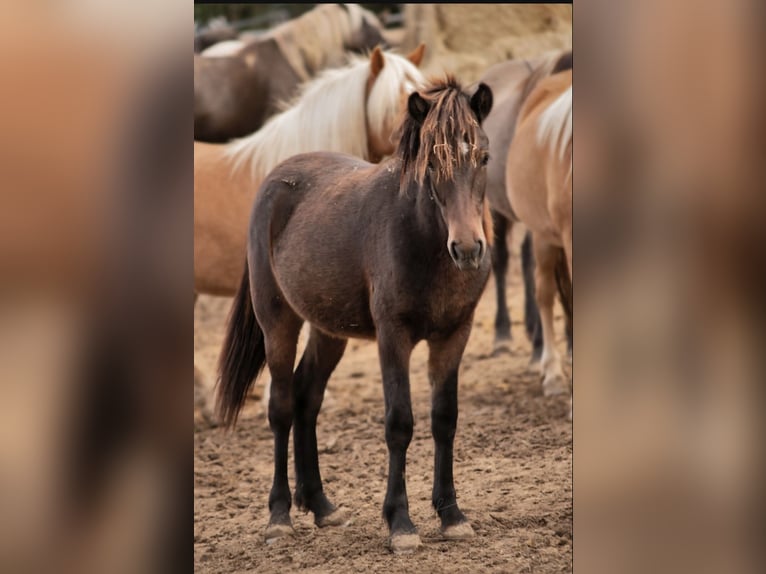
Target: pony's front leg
x=395, y=348
x=546, y=256
x=444, y=358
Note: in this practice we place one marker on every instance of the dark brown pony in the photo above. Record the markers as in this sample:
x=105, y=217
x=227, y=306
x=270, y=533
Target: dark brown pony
x=394, y=252
x=235, y=95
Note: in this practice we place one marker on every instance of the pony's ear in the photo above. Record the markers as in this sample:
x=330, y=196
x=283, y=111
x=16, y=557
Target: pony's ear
x=418, y=107
x=377, y=61
x=481, y=101
x=416, y=56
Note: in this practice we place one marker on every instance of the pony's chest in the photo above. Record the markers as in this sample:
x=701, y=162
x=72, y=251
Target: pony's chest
x=441, y=304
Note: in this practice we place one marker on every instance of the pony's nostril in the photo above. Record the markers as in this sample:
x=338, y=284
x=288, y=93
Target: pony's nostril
x=453, y=250
x=479, y=249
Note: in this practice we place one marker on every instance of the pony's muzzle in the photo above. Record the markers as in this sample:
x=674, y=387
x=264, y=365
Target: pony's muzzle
x=467, y=255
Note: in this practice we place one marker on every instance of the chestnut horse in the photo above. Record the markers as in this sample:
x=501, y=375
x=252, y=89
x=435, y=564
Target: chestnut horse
x=511, y=82
x=352, y=110
x=539, y=186
x=235, y=95
x=394, y=252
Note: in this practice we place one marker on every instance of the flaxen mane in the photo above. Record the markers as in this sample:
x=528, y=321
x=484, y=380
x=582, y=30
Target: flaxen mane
x=319, y=35
x=450, y=122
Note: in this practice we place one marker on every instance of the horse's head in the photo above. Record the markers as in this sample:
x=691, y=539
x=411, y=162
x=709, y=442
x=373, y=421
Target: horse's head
x=391, y=80
x=445, y=151
x=366, y=30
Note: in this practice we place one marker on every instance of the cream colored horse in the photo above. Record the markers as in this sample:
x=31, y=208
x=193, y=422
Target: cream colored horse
x=539, y=186
x=351, y=110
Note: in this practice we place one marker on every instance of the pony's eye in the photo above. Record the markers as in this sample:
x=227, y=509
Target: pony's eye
x=430, y=165
x=485, y=160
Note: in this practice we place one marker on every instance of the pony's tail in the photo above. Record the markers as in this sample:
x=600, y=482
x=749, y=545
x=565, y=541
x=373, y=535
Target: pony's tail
x=242, y=357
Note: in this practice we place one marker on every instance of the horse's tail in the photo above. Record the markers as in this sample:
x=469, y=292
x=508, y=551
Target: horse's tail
x=243, y=355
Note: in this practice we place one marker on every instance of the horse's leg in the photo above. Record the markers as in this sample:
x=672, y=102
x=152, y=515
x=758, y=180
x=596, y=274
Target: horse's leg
x=531, y=312
x=204, y=397
x=564, y=284
x=280, y=330
x=395, y=348
x=570, y=316
x=500, y=269
x=317, y=364
x=545, y=287
x=443, y=363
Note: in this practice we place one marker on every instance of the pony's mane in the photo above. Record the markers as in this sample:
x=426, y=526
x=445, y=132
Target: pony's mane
x=329, y=114
x=449, y=123
x=554, y=126
x=223, y=49
x=318, y=36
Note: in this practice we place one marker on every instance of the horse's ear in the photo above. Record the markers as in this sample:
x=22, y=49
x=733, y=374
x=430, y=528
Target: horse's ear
x=481, y=101
x=416, y=56
x=377, y=61
x=418, y=107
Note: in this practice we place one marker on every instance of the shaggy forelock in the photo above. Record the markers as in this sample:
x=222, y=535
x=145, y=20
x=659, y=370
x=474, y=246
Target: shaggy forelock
x=449, y=123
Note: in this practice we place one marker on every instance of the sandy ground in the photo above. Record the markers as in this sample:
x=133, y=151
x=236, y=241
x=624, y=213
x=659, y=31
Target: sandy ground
x=513, y=466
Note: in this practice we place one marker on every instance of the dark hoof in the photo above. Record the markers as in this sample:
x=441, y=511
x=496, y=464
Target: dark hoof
x=404, y=543
x=460, y=531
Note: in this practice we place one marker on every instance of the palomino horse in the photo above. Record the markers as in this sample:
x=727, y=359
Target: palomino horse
x=233, y=96
x=539, y=185
x=511, y=82
x=393, y=252
x=352, y=110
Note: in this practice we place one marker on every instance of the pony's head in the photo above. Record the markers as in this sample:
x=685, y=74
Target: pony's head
x=444, y=151
x=391, y=80
x=366, y=30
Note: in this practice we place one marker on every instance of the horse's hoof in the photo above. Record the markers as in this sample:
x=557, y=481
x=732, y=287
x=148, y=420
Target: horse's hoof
x=501, y=348
x=460, y=531
x=210, y=417
x=276, y=531
x=554, y=385
x=404, y=543
x=338, y=517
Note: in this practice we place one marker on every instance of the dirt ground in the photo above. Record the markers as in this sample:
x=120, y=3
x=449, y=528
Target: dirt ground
x=513, y=465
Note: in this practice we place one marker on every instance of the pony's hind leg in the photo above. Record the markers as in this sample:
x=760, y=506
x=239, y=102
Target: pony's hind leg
x=443, y=363
x=319, y=360
x=546, y=256
x=281, y=327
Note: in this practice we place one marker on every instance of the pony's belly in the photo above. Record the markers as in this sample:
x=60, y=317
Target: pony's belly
x=334, y=300
x=345, y=320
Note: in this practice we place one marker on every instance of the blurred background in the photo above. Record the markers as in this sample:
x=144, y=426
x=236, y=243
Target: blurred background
x=96, y=263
